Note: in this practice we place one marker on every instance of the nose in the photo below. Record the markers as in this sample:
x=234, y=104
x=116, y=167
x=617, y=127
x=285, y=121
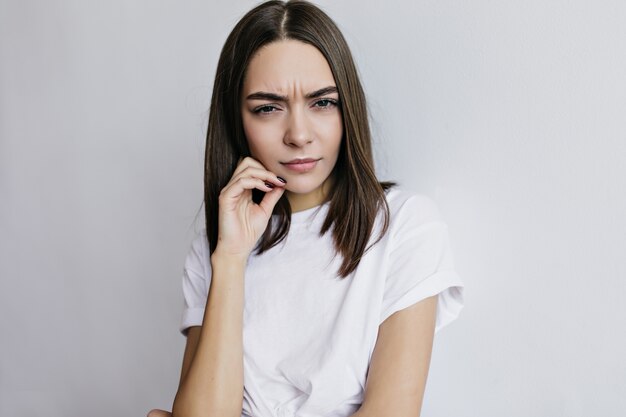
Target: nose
x=297, y=132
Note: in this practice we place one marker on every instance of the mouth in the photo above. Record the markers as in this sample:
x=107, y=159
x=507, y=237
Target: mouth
x=301, y=164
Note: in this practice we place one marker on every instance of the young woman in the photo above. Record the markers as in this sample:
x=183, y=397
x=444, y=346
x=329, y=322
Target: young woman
x=316, y=289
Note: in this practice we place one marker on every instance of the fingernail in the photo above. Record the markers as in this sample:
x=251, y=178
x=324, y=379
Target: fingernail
x=281, y=179
x=267, y=184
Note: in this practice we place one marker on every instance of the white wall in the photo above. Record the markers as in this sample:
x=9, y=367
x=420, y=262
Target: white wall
x=509, y=114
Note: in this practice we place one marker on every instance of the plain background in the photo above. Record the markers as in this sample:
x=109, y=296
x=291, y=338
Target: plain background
x=509, y=114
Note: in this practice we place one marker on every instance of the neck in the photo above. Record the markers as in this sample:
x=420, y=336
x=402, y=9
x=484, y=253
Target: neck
x=299, y=202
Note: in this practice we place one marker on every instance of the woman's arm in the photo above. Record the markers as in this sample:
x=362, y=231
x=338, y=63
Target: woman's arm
x=399, y=366
x=193, y=336
x=212, y=384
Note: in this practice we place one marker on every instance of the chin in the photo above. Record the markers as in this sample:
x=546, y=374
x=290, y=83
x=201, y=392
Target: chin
x=297, y=186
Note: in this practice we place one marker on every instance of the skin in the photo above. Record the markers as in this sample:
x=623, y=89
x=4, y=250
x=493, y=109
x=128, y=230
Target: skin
x=295, y=125
x=300, y=119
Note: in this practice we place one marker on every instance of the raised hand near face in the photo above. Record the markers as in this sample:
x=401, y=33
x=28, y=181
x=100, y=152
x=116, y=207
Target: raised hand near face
x=241, y=221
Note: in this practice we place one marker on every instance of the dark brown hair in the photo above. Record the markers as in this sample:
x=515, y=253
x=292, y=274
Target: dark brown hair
x=357, y=196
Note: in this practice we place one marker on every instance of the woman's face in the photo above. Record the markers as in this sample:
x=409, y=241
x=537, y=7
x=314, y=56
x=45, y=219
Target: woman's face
x=291, y=118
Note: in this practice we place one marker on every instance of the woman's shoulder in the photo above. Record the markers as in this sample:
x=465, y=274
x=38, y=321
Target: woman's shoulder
x=200, y=238
x=418, y=207
x=200, y=246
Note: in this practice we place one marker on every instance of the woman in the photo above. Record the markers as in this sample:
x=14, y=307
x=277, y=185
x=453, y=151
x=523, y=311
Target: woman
x=346, y=279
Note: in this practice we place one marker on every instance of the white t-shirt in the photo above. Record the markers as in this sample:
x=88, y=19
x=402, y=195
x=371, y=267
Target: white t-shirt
x=308, y=335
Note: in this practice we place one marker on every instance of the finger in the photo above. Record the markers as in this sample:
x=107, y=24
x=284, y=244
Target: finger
x=270, y=199
x=238, y=166
x=263, y=174
x=247, y=162
x=159, y=413
x=243, y=184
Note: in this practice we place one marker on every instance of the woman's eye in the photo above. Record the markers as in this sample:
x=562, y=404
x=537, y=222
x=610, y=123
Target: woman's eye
x=265, y=109
x=326, y=102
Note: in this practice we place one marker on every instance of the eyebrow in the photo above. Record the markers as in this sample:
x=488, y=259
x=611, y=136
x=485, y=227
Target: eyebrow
x=261, y=95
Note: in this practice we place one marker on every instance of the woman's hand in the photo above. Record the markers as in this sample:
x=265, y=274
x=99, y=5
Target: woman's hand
x=159, y=413
x=241, y=222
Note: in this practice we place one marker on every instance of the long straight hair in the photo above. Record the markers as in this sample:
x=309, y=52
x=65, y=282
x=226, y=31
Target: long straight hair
x=357, y=197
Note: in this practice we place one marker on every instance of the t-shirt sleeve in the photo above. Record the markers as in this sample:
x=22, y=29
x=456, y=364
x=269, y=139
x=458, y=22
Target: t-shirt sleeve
x=421, y=263
x=196, y=283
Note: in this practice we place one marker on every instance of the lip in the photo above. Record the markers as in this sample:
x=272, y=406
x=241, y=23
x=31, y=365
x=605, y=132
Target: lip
x=301, y=164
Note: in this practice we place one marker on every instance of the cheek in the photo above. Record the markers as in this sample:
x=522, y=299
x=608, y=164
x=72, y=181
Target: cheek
x=259, y=135
x=331, y=131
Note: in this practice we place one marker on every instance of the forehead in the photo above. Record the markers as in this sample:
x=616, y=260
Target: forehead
x=285, y=65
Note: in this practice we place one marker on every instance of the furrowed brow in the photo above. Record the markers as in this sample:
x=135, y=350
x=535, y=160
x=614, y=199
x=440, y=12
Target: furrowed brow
x=260, y=95
x=322, y=91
